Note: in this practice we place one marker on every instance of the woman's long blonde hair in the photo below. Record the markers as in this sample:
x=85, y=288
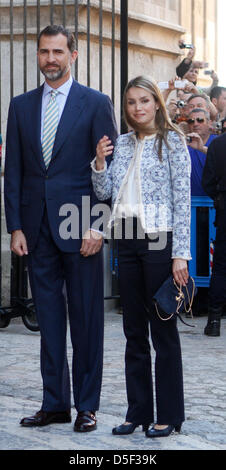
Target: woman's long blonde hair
x=163, y=123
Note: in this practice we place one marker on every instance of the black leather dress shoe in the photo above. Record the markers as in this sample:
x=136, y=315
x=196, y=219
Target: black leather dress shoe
x=214, y=322
x=85, y=421
x=43, y=418
x=127, y=429
x=153, y=432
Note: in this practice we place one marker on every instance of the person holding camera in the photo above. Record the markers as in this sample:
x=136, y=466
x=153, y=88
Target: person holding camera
x=192, y=76
x=214, y=184
x=189, y=69
x=186, y=63
x=198, y=138
x=178, y=109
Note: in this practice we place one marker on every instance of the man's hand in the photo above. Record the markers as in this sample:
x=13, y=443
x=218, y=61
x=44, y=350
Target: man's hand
x=91, y=243
x=197, y=142
x=18, y=243
x=214, y=76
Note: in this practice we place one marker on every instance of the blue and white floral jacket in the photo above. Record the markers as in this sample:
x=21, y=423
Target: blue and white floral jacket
x=165, y=185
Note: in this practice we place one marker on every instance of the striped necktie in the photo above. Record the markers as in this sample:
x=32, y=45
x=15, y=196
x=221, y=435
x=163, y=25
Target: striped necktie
x=50, y=127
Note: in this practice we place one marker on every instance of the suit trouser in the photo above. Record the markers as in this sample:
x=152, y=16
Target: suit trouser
x=141, y=272
x=49, y=268
x=217, y=290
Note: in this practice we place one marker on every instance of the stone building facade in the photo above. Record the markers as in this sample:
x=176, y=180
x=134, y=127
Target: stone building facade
x=155, y=26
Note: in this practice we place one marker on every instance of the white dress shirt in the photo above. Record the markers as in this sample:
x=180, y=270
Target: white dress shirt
x=63, y=92
x=131, y=202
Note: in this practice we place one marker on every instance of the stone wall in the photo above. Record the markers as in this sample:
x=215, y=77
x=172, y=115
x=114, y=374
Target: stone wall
x=155, y=26
x=199, y=18
x=153, y=36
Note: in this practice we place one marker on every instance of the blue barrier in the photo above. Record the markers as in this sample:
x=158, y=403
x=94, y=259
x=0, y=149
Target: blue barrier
x=196, y=202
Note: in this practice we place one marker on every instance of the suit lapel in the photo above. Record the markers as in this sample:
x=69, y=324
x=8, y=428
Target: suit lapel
x=33, y=116
x=73, y=107
x=72, y=110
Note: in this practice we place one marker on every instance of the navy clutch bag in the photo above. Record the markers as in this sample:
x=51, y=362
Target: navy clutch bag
x=172, y=299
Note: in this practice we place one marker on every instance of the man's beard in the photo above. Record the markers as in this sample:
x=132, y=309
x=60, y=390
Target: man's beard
x=54, y=76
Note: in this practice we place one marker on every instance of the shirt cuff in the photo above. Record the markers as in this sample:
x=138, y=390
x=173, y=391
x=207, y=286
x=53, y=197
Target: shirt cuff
x=99, y=231
x=93, y=166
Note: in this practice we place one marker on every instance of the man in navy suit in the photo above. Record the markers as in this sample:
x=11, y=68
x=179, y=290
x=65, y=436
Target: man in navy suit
x=38, y=197
x=214, y=184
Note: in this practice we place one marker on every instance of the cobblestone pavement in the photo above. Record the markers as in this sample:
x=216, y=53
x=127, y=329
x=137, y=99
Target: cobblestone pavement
x=204, y=361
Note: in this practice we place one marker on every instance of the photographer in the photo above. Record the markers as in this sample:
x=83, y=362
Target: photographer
x=187, y=62
x=214, y=183
x=198, y=138
x=177, y=85
x=177, y=106
x=178, y=110
x=189, y=69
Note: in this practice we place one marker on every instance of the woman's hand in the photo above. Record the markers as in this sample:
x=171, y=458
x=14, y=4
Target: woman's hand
x=104, y=148
x=180, y=271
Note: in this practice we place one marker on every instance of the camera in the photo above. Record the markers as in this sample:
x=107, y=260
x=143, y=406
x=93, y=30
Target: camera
x=180, y=84
x=180, y=104
x=182, y=45
x=163, y=85
x=189, y=139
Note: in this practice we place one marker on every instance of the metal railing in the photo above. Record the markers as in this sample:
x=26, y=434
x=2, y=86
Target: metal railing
x=22, y=20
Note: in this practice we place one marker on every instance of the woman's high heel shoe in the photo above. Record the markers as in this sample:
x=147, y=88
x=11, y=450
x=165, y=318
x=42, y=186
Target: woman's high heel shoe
x=128, y=428
x=163, y=432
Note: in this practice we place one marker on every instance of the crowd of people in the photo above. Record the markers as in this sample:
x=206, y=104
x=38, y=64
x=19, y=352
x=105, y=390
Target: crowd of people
x=201, y=114
x=53, y=135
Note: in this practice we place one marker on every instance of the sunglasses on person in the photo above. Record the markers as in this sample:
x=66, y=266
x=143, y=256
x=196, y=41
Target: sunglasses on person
x=198, y=119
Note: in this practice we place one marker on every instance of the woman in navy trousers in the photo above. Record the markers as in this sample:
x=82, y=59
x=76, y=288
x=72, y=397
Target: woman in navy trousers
x=149, y=183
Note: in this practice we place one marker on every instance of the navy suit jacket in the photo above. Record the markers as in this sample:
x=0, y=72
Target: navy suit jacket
x=214, y=173
x=29, y=187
